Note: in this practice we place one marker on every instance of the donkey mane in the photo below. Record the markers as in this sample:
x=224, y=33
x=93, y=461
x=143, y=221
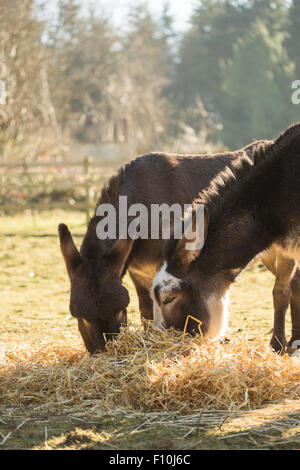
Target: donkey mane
x=272, y=149
x=109, y=195
x=232, y=180
x=110, y=190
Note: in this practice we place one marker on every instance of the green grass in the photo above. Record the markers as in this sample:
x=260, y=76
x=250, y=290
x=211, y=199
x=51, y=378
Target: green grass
x=34, y=308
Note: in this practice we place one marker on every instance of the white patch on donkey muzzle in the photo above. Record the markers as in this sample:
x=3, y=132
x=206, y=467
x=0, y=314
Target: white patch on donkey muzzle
x=164, y=282
x=218, y=309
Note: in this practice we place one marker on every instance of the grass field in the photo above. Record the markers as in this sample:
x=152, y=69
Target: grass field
x=34, y=309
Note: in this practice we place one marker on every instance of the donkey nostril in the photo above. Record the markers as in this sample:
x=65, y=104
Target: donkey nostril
x=122, y=317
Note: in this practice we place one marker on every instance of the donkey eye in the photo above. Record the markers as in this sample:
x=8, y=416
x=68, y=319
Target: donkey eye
x=168, y=300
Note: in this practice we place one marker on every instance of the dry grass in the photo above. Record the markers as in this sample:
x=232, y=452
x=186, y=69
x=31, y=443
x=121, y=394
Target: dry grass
x=151, y=370
x=52, y=395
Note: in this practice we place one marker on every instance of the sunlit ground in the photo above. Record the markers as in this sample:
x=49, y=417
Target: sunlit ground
x=34, y=308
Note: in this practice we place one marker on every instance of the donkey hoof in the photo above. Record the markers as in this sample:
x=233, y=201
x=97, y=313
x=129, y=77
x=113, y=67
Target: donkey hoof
x=278, y=344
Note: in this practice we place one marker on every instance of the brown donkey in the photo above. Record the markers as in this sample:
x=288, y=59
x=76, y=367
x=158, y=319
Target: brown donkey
x=98, y=298
x=248, y=209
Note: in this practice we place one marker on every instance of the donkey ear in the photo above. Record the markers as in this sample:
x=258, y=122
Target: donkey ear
x=69, y=251
x=119, y=253
x=189, y=248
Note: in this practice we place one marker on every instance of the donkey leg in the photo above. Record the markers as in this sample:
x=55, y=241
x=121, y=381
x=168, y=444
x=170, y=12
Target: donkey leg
x=285, y=270
x=294, y=342
x=143, y=291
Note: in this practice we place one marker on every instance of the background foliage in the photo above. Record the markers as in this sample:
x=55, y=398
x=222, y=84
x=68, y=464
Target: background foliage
x=226, y=80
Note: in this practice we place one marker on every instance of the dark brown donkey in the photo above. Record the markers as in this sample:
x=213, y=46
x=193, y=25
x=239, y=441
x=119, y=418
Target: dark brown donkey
x=98, y=299
x=247, y=210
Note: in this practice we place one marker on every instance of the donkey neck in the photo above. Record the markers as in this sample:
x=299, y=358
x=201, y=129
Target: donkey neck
x=250, y=220
x=92, y=245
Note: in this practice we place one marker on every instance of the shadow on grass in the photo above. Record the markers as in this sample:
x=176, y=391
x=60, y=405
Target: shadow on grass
x=258, y=429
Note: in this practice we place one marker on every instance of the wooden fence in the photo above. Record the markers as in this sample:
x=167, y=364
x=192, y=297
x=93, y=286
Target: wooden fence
x=24, y=179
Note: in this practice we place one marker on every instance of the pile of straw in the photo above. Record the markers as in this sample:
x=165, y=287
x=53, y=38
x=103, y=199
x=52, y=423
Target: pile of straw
x=151, y=370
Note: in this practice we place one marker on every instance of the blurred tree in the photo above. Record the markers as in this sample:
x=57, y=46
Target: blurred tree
x=110, y=87
x=256, y=94
x=293, y=40
x=147, y=61
x=216, y=26
x=82, y=49
x=23, y=69
x=143, y=84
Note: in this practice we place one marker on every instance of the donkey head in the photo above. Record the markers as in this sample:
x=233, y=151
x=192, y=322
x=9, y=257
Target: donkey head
x=98, y=299
x=185, y=287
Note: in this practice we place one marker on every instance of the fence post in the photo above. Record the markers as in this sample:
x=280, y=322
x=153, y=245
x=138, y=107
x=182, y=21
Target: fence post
x=27, y=179
x=87, y=189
